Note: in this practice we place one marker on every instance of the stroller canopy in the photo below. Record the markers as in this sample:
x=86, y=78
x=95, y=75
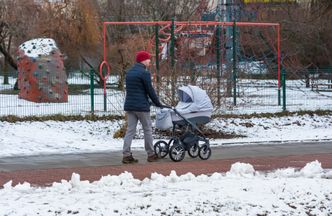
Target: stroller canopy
x=193, y=99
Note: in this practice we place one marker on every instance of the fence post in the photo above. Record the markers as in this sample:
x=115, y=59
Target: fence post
x=234, y=63
x=279, y=63
x=279, y=97
x=283, y=80
x=173, y=79
x=218, y=63
x=92, y=94
x=157, y=56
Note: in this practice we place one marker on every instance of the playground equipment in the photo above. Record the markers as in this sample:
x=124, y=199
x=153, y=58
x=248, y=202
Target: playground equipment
x=41, y=76
x=197, y=52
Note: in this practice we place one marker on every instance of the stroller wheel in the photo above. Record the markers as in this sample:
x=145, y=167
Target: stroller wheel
x=177, y=152
x=161, y=148
x=193, y=150
x=204, y=152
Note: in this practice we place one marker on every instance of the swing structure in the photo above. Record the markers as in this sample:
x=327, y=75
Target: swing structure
x=205, y=53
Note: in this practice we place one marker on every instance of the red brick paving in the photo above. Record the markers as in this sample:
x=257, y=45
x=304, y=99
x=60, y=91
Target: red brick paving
x=140, y=171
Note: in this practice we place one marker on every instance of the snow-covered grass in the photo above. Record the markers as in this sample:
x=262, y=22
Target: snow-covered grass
x=54, y=137
x=240, y=191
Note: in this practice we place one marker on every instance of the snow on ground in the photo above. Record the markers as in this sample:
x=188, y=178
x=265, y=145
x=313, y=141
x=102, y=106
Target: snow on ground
x=241, y=191
x=276, y=129
x=51, y=137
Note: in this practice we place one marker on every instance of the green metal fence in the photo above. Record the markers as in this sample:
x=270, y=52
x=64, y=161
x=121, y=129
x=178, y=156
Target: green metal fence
x=238, y=71
x=85, y=96
x=252, y=95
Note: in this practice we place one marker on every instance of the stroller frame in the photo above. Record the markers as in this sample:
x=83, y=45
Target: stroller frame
x=188, y=141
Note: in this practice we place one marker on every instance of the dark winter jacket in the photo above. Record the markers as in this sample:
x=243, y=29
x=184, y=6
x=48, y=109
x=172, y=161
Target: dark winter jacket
x=139, y=89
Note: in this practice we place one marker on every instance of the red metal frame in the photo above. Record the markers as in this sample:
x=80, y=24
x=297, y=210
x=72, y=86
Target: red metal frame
x=203, y=23
x=104, y=78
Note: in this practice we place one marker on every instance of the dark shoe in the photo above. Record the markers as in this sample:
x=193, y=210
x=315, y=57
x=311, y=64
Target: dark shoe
x=153, y=158
x=129, y=160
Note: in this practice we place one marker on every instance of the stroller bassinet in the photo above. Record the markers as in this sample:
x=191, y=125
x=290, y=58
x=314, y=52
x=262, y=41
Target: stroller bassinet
x=194, y=109
x=194, y=105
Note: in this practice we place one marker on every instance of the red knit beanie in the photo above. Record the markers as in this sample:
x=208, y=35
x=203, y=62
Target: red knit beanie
x=142, y=56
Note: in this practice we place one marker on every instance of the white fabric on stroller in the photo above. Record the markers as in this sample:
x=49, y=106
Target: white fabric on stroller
x=164, y=119
x=193, y=99
x=194, y=103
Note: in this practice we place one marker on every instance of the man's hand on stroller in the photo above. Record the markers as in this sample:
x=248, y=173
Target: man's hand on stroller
x=166, y=106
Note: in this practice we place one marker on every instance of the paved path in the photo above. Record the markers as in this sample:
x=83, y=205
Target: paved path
x=43, y=170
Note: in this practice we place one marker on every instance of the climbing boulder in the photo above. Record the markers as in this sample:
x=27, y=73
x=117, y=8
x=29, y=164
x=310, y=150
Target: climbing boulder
x=41, y=74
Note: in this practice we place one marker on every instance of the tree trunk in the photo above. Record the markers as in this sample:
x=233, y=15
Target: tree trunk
x=9, y=60
x=307, y=80
x=5, y=72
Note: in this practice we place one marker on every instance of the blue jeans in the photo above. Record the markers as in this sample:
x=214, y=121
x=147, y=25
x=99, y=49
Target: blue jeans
x=145, y=119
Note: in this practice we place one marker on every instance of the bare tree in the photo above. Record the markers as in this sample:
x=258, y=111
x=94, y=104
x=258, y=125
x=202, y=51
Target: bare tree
x=75, y=26
x=14, y=28
x=306, y=31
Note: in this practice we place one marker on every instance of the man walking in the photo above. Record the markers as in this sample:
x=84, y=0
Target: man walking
x=139, y=90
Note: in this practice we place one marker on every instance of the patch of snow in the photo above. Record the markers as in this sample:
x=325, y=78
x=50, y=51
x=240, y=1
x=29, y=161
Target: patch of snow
x=38, y=47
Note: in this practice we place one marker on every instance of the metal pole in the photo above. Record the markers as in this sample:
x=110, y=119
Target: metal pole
x=173, y=61
x=279, y=96
x=283, y=78
x=104, y=33
x=105, y=59
x=172, y=43
x=92, y=91
x=105, y=101
x=234, y=63
x=218, y=63
x=157, y=56
x=279, y=64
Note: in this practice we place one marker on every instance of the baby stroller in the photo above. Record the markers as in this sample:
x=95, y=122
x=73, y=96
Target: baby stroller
x=194, y=109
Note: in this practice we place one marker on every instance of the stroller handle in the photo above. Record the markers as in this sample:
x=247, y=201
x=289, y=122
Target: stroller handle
x=166, y=106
